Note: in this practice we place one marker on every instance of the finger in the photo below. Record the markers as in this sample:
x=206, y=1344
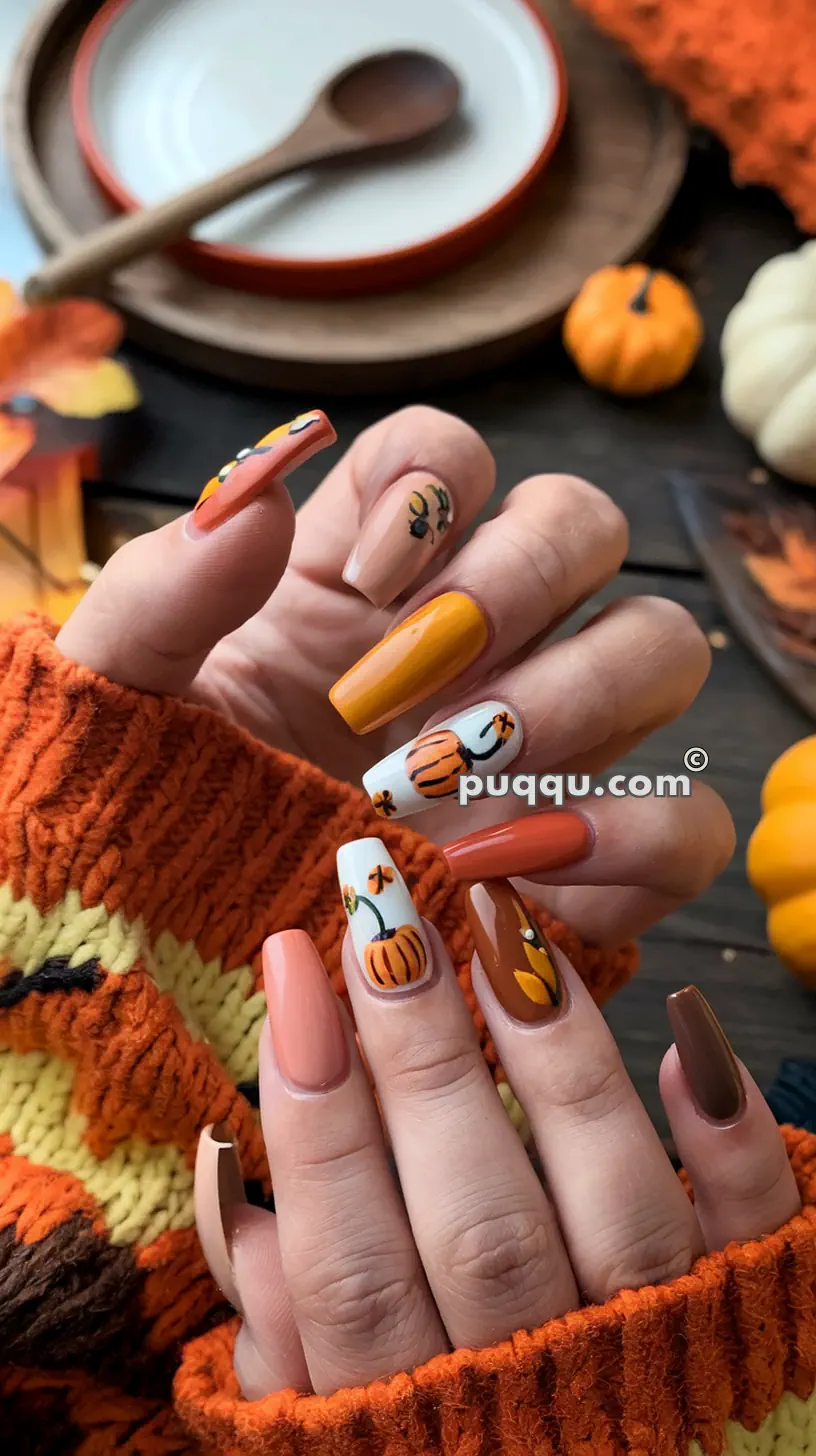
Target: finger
x=647, y=856
x=556, y=541
x=163, y=601
x=358, y=1292
x=625, y=1217
x=240, y=1245
x=395, y=503
x=723, y=1129
x=483, y=1225
x=637, y=667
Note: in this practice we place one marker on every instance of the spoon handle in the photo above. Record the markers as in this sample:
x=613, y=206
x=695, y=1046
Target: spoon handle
x=122, y=240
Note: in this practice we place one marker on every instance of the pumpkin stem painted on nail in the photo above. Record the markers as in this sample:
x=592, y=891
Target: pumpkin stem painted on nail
x=394, y=956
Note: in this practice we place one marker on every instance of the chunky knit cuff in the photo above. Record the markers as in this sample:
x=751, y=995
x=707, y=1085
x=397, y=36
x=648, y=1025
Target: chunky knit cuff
x=727, y=1350
x=746, y=71
x=147, y=848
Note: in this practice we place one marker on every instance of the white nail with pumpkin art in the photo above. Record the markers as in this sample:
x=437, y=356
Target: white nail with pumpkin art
x=483, y=739
x=388, y=936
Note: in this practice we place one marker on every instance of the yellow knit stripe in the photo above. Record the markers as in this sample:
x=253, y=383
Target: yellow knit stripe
x=790, y=1430
x=142, y=1189
x=217, y=1006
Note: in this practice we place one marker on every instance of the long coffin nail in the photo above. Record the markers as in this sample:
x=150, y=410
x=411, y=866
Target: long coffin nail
x=405, y=530
x=419, y=658
x=514, y=952
x=386, y=931
x=307, y=1033
x=219, y=1189
x=253, y=470
x=708, y=1062
x=521, y=847
x=483, y=739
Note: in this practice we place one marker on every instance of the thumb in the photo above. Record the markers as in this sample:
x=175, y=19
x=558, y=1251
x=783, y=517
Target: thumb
x=165, y=599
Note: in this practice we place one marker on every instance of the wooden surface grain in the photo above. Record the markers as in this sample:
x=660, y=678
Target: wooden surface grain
x=540, y=416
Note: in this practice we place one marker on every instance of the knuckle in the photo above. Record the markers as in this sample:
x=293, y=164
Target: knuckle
x=588, y=1091
x=438, y=1064
x=362, y=1301
x=645, y=1253
x=576, y=499
x=501, y=1255
x=672, y=626
x=458, y=449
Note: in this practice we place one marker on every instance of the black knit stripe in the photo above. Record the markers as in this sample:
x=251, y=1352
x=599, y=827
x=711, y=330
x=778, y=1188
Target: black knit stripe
x=55, y=974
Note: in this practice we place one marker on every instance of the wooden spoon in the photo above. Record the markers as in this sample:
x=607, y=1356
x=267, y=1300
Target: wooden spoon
x=379, y=102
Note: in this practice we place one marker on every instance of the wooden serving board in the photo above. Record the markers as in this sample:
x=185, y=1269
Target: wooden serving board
x=600, y=200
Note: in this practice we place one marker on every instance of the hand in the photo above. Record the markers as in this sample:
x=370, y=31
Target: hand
x=355, y=1277
x=254, y=619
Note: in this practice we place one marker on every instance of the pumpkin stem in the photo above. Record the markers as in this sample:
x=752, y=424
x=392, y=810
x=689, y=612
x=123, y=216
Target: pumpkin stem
x=364, y=900
x=640, y=302
x=494, y=747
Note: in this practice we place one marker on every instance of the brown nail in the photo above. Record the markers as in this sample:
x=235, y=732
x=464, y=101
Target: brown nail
x=405, y=530
x=516, y=956
x=219, y=1190
x=708, y=1062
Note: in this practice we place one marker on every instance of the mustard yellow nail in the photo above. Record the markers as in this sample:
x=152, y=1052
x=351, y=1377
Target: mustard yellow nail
x=416, y=660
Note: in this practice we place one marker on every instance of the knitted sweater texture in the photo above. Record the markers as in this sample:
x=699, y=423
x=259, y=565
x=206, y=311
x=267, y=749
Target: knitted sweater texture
x=146, y=849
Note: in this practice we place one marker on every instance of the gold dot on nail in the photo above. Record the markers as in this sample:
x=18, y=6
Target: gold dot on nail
x=528, y=934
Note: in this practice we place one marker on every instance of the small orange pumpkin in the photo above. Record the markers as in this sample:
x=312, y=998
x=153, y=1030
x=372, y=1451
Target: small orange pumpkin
x=396, y=957
x=782, y=858
x=438, y=758
x=632, y=330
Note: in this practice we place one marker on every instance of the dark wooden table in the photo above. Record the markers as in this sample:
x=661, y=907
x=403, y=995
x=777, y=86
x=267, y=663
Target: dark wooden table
x=540, y=416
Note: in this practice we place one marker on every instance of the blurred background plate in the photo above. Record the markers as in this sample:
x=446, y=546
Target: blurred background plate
x=601, y=199
x=166, y=95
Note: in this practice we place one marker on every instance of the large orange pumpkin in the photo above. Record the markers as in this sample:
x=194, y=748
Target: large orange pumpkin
x=782, y=858
x=438, y=758
x=632, y=330
x=396, y=957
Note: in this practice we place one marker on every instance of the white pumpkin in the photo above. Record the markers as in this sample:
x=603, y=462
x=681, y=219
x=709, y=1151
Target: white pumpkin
x=768, y=350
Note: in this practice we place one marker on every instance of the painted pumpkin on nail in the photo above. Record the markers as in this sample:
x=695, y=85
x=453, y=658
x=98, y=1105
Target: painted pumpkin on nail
x=437, y=760
x=394, y=956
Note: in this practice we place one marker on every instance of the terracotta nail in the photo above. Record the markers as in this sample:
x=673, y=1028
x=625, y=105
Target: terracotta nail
x=521, y=847
x=304, y=1017
x=386, y=931
x=406, y=528
x=514, y=952
x=481, y=740
x=253, y=471
x=415, y=661
x=218, y=1191
x=708, y=1062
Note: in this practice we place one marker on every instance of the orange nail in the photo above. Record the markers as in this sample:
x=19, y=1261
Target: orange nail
x=416, y=660
x=254, y=471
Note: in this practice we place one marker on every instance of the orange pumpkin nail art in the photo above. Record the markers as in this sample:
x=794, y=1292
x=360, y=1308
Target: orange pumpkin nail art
x=386, y=931
x=253, y=470
x=430, y=767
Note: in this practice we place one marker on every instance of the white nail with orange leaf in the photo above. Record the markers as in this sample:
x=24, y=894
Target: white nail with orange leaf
x=386, y=931
x=483, y=740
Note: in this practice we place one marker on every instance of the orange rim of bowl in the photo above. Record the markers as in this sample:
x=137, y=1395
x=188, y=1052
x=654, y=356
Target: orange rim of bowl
x=230, y=260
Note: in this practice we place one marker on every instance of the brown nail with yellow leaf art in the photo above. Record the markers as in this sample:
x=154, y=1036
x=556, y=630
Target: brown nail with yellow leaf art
x=514, y=952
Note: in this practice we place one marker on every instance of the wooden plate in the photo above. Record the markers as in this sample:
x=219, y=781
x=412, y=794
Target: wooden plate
x=610, y=182
x=146, y=75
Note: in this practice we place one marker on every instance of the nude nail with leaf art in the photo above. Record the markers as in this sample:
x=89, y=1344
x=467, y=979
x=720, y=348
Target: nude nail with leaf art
x=386, y=931
x=429, y=768
x=404, y=531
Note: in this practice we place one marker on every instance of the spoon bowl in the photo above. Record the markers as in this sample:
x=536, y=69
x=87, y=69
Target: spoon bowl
x=397, y=96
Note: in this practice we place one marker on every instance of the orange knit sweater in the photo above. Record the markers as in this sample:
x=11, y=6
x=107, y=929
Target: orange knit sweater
x=146, y=850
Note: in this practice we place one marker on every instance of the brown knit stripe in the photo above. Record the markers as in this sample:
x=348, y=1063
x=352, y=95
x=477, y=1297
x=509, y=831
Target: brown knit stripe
x=53, y=1413
x=649, y=1371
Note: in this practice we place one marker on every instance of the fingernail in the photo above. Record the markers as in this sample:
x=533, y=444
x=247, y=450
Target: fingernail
x=406, y=528
x=419, y=658
x=304, y=1019
x=386, y=931
x=521, y=847
x=708, y=1063
x=218, y=1191
x=514, y=952
x=253, y=470
x=429, y=768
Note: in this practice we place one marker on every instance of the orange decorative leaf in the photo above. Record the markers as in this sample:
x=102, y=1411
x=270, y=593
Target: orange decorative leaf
x=781, y=582
x=38, y=341
x=16, y=439
x=87, y=389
